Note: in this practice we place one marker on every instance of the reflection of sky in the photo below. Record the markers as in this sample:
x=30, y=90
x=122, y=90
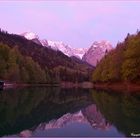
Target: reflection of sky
x=74, y=130
x=78, y=130
x=76, y=23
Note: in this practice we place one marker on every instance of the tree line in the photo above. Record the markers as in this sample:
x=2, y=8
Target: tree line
x=19, y=68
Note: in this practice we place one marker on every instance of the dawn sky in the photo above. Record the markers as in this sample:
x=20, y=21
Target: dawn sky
x=78, y=23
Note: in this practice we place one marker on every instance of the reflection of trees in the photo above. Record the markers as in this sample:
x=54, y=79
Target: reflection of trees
x=24, y=108
x=120, y=109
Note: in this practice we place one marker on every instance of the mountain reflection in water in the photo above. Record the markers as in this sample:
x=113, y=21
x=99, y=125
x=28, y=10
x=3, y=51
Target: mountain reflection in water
x=54, y=112
x=95, y=120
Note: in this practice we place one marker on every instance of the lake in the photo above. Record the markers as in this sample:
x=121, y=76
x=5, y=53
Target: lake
x=56, y=112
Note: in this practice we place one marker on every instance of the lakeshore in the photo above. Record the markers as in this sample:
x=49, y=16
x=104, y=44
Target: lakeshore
x=124, y=87
x=62, y=85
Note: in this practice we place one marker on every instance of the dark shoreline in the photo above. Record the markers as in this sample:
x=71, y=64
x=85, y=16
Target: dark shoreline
x=123, y=87
x=22, y=85
x=61, y=85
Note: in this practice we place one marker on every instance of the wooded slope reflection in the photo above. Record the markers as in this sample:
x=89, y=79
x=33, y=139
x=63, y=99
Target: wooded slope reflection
x=120, y=109
x=25, y=108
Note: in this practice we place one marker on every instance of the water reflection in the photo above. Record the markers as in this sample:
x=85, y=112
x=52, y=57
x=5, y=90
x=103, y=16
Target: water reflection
x=120, y=109
x=95, y=118
x=25, y=108
x=87, y=122
x=55, y=112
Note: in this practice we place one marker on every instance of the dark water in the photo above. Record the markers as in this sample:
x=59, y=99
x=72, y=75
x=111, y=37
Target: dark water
x=55, y=112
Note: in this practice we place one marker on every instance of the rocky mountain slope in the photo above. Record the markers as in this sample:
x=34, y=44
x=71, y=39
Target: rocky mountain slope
x=96, y=52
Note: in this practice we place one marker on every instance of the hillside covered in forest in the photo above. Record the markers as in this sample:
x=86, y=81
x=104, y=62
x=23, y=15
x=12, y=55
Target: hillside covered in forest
x=25, y=61
x=121, y=64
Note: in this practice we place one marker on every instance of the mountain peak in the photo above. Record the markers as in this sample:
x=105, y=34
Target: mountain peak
x=30, y=35
x=97, y=51
x=102, y=44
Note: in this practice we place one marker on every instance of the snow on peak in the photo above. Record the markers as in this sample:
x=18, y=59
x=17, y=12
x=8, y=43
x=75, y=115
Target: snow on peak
x=91, y=55
x=30, y=35
x=57, y=45
x=67, y=49
x=97, y=51
x=104, y=45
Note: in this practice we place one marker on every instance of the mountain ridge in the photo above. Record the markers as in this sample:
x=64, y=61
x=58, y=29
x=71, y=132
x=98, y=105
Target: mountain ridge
x=90, y=55
x=56, y=45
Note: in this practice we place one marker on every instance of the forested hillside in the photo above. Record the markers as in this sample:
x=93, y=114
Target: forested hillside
x=16, y=67
x=122, y=63
x=22, y=60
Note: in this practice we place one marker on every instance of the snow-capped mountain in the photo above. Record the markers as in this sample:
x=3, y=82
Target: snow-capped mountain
x=30, y=35
x=96, y=52
x=90, y=55
x=56, y=45
x=67, y=49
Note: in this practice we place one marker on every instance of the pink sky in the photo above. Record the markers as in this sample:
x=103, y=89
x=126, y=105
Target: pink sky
x=78, y=23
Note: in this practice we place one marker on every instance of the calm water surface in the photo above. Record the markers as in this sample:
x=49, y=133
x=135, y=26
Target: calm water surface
x=55, y=112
